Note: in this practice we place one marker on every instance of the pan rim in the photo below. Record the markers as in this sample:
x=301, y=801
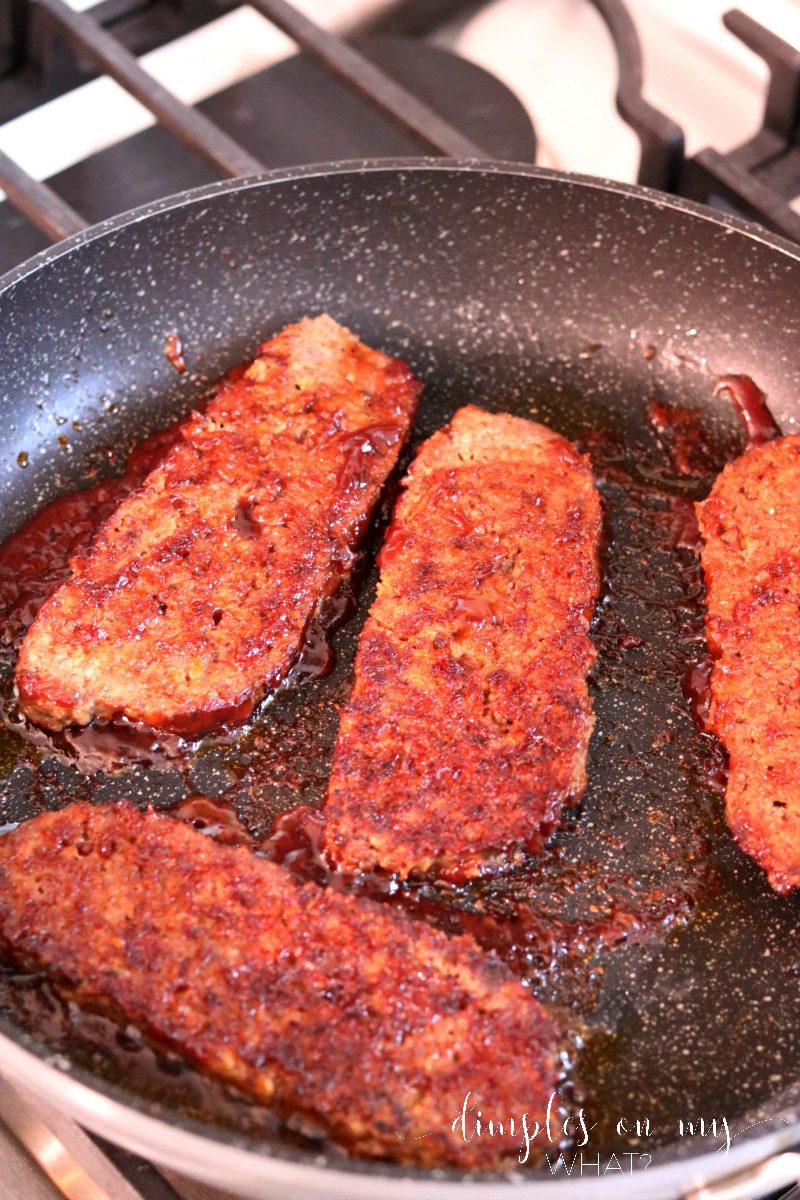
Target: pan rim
x=251, y=1166
x=232, y=1164
x=369, y=166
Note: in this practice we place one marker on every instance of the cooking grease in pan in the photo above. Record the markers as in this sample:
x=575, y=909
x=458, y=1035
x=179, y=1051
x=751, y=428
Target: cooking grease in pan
x=641, y=901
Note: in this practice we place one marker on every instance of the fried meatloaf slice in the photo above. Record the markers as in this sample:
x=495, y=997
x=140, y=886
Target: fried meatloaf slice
x=370, y=1024
x=750, y=525
x=469, y=720
x=194, y=596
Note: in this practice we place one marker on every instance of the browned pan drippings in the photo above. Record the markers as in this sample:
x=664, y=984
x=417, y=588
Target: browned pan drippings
x=640, y=872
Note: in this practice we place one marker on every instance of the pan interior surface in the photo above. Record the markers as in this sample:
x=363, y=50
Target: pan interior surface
x=604, y=313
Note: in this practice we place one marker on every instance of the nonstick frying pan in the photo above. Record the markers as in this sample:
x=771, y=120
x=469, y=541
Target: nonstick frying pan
x=581, y=302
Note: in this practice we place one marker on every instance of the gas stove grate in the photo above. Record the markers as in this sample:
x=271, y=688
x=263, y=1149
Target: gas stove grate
x=50, y=48
x=760, y=178
x=47, y=48
x=85, y=36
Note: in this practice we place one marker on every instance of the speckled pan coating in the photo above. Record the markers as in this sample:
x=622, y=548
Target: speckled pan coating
x=477, y=275
x=503, y=286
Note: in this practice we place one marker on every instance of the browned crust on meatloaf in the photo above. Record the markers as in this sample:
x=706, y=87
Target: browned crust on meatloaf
x=750, y=526
x=194, y=597
x=371, y=1024
x=470, y=717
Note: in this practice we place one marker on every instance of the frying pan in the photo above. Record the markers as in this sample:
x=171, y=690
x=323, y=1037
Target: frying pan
x=575, y=300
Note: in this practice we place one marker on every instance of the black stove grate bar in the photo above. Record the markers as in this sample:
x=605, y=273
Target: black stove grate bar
x=660, y=139
x=369, y=81
x=37, y=65
x=200, y=134
x=782, y=111
x=38, y=202
x=43, y=207
x=760, y=177
x=715, y=179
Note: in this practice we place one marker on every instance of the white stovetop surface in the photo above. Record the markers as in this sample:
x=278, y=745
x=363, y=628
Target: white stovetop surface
x=558, y=56
x=555, y=54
